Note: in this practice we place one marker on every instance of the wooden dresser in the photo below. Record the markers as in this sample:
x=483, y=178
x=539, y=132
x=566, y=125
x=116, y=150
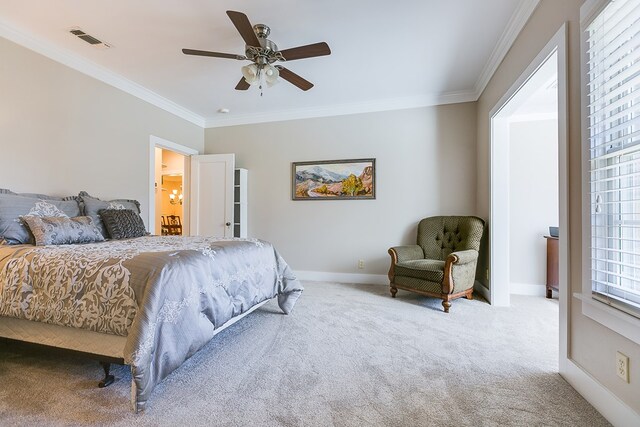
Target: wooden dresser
x=552, y=264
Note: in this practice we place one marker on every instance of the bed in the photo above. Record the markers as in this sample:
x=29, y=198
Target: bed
x=148, y=302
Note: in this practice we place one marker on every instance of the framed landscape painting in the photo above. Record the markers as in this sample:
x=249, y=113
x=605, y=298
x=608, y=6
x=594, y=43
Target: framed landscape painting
x=334, y=180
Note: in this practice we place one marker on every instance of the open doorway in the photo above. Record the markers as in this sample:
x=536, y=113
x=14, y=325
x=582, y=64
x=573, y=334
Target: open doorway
x=533, y=200
x=525, y=185
x=528, y=204
x=499, y=236
x=170, y=168
x=169, y=187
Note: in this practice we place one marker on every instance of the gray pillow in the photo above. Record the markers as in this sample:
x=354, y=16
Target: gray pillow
x=122, y=223
x=91, y=206
x=13, y=231
x=49, y=230
x=37, y=195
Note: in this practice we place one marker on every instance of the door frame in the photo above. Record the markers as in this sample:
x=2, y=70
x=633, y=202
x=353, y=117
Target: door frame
x=157, y=142
x=499, y=289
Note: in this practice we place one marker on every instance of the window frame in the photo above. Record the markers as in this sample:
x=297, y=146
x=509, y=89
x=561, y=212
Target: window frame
x=609, y=316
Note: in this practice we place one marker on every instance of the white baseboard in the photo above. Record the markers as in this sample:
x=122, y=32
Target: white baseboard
x=368, y=279
x=382, y=279
x=482, y=290
x=323, y=276
x=527, y=289
x=608, y=404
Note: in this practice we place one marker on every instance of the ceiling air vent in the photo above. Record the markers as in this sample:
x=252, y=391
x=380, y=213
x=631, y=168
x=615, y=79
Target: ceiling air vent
x=89, y=38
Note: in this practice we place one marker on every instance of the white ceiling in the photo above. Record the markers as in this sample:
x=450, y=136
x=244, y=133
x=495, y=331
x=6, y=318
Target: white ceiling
x=385, y=54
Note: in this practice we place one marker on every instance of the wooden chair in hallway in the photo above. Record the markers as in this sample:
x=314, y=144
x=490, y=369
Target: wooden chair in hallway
x=164, y=231
x=174, y=225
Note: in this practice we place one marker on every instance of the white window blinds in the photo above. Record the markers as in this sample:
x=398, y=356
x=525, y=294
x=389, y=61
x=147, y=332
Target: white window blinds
x=613, y=79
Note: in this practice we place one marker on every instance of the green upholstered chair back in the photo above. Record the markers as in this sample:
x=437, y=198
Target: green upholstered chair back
x=440, y=235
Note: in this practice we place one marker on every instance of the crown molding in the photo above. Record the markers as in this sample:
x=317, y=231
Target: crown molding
x=508, y=37
x=96, y=71
x=343, y=109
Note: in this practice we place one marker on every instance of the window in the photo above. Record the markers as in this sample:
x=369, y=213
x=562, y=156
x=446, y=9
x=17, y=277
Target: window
x=613, y=131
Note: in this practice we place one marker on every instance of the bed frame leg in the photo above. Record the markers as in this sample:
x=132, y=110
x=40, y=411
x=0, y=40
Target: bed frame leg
x=108, y=379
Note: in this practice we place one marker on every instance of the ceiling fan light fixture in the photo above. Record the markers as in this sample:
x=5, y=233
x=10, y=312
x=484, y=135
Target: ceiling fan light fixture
x=271, y=75
x=251, y=73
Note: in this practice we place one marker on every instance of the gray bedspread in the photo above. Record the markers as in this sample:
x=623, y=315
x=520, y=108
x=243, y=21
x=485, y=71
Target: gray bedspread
x=166, y=294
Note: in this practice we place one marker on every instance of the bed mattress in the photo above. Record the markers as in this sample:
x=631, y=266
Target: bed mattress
x=63, y=337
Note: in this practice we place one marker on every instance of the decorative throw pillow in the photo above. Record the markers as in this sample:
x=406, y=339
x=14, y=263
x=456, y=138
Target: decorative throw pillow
x=122, y=223
x=37, y=195
x=13, y=231
x=52, y=230
x=91, y=206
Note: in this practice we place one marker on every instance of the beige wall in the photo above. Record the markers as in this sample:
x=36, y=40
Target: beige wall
x=533, y=201
x=167, y=208
x=592, y=346
x=172, y=162
x=62, y=132
x=425, y=165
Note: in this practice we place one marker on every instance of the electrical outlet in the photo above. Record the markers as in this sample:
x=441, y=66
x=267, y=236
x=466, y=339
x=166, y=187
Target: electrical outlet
x=360, y=264
x=622, y=366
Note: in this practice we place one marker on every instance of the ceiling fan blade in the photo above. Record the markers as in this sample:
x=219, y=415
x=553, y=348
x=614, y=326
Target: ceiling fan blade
x=214, y=54
x=244, y=27
x=294, y=79
x=242, y=84
x=308, y=51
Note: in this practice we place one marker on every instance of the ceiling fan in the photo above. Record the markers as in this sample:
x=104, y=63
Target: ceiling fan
x=262, y=52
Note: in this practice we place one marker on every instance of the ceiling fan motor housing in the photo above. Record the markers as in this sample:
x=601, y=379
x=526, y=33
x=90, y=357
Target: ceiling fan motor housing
x=267, y=53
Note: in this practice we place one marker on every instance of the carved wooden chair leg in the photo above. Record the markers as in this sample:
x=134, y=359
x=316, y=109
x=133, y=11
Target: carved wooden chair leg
x=469, y=294
x=446, y=304
x=393, y=291
x=108, y=379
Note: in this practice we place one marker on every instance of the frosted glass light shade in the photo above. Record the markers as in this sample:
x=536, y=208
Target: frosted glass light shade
x=271, y=75
x=250, y=73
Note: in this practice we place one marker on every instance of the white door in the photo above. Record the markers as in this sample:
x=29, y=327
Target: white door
x=212, y=195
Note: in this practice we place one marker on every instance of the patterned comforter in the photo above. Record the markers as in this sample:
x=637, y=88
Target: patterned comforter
x=166, y=294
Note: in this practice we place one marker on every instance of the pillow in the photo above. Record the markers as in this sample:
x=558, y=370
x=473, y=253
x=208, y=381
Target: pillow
x=91, y=206
x=52, y=230
x=13, y=231
x=37, y=195
x=122, y=223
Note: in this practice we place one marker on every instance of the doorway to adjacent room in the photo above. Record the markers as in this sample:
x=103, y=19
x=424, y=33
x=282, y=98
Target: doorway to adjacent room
x=169, y=169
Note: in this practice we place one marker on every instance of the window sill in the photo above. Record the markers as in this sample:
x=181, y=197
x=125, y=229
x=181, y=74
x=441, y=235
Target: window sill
x=614, y=319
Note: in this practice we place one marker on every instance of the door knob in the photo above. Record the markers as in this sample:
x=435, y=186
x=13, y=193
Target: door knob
x=228, y=224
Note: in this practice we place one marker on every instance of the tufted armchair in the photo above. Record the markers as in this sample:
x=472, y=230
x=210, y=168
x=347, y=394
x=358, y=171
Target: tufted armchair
x=443, y=263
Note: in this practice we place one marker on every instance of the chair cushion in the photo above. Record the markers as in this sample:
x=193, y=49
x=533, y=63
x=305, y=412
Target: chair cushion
x=425, y=269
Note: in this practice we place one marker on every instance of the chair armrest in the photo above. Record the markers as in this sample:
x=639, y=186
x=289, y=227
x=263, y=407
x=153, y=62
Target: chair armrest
x=460, y=271
x=406, y=253
x=463, y=257
x=403, y=253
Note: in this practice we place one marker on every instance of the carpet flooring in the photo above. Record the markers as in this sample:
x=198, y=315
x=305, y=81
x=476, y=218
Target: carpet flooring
x=349, y=355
